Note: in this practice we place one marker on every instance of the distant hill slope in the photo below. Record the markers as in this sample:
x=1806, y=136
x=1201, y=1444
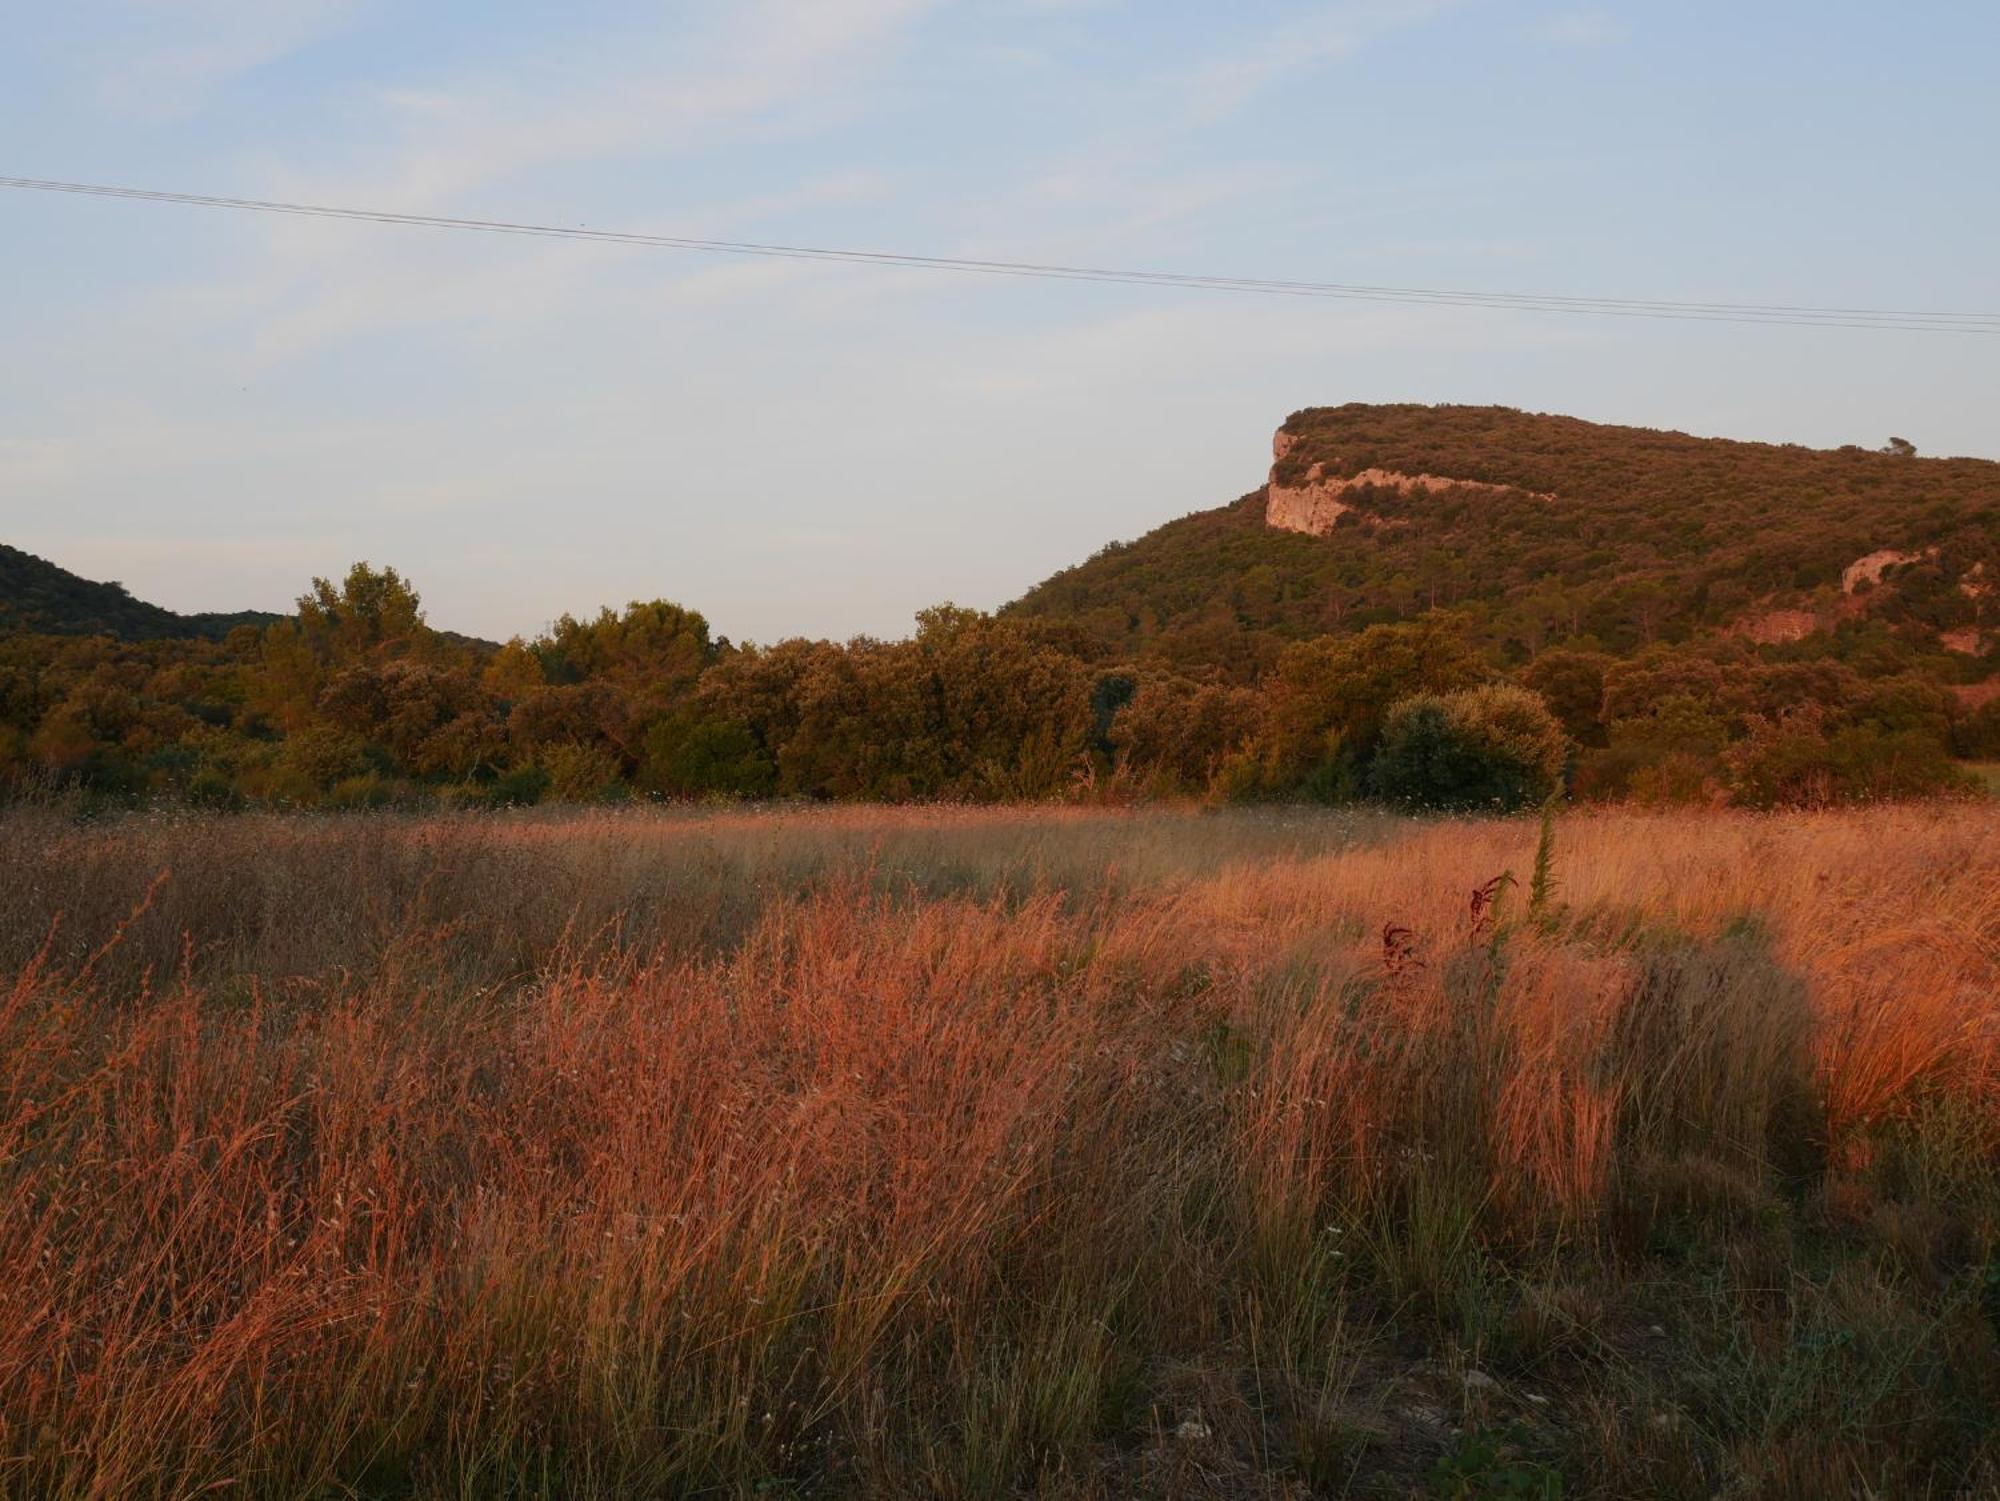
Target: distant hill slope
x=36, y=595
x=1546, y=529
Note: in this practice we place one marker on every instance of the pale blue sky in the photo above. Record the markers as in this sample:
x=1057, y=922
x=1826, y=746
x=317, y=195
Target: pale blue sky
x=212, y=407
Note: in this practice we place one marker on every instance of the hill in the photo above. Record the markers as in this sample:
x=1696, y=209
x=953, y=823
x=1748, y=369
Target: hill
x=1542, y=530
x=36, y=595
x=1437, y=607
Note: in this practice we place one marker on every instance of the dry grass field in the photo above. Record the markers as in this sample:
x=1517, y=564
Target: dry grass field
x=952, y=1153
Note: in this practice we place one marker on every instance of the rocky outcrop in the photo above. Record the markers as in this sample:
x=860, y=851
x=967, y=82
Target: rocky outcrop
x=1965, y=641
x=1869, y=569
x=1311, y=508
x=1314, y=506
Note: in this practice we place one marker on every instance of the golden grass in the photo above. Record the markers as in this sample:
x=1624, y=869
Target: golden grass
x=944, y=1152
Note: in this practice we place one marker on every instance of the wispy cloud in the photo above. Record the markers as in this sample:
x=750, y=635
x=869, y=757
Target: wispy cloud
x=768, y=67
x=1110, y=194
x=1590, y=27
x=187, y=49
x=387, y=280
x=1299, y=46
x=670, y=91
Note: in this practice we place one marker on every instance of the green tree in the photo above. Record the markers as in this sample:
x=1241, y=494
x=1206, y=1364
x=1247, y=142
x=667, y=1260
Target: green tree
x=1571, y=683
x=370, y=610
x=690, y=756
x=1174, y=736
x=1496, y=747
x=970, y=707
x=1328, y=699
x=655, y=651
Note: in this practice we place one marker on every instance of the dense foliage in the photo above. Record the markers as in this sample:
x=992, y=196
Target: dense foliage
x=1614, y=538
x=356, y=702
x=35, y=595
x=1218, y=658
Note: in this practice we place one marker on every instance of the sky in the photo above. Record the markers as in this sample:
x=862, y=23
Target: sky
x=214, y=407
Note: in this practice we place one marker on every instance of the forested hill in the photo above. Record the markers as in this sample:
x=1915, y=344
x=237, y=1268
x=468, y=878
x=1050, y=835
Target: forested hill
x=1544, y=530
x=1436, y=607
x=36, y=595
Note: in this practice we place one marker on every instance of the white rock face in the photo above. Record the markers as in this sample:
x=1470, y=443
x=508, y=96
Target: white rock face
x=1316, y=505
x=1871, y=567
x=1312, y=507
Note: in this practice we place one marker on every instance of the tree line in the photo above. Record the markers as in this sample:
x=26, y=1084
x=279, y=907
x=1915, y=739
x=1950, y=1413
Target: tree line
x=356, y=701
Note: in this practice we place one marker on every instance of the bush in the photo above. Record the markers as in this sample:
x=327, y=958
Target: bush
x=1666, y=754
x=522, y=787
x=1328, y=700
x=1791, y=761
x=1571, y=683
x=691, y=757
x=320, y=756
x=1495, y=747
x=370, y=790
x=1976, y=736
x=581, y=773
x=1173, y=736
x=211, y=788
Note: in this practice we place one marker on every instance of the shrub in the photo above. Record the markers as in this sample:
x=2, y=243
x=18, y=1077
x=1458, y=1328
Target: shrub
x=581, y=773
x=522, y=787
x=370, y=790
x=1664, y=755
x=211, y=787
x=1977, y=734
x=1793, y=761
x=1494, y=747
x=692, y=757
x=1173, y=736
x=316, y=759
x=1329, y=699
x=1571, y=683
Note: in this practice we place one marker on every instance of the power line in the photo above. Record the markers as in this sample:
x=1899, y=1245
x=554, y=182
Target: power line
x=1907, y=320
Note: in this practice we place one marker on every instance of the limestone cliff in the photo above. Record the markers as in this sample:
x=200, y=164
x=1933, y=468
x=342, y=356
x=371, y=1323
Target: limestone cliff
x=1321, y=500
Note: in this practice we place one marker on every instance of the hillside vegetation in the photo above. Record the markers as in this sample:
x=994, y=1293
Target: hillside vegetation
x=36, y=595
x=1502, y=607
x=1613, y=538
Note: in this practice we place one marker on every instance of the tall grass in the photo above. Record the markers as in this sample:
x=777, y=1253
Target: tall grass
x=979, y=1154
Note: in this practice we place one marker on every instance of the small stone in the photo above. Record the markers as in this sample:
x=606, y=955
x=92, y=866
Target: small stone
x=1192, y=1431
x=1537, y=1398
x=1478, y=1381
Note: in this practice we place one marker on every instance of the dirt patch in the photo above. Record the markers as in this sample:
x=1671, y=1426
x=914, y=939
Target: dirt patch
x=1976, y=695
x=1774, y=627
